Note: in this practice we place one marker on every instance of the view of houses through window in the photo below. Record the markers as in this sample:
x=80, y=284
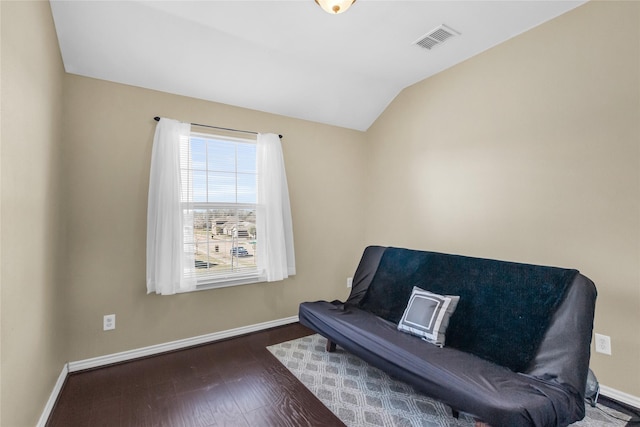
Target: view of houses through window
x=219, y=176
x=225, y=240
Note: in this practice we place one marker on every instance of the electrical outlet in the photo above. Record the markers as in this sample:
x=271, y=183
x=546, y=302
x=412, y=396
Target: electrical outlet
x=349, y=282
x=109, y=322
x=603, y=344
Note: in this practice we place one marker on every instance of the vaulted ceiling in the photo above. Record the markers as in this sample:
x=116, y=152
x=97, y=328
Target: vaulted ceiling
x=285, y=57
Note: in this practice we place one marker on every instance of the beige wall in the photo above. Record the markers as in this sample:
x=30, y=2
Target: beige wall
x=108, y=137
x=32, y=333
x=528, y=152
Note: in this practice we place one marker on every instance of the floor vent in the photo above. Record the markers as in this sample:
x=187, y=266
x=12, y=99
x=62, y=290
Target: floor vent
x=436, y=37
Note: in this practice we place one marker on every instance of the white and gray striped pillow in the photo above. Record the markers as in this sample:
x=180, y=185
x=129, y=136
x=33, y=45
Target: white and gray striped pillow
x=427, y=315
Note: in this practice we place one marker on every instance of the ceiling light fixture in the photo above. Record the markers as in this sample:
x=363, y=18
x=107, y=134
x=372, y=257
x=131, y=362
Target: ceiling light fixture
x=335, y=6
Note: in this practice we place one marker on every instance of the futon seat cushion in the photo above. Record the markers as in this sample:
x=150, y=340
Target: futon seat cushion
x=462, y=380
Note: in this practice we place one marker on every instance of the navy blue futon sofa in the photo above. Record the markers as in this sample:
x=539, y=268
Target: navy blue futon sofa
x=517, y=345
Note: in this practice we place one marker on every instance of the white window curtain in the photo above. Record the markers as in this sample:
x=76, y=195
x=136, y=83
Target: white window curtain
x=170, y=258
x=275, y=254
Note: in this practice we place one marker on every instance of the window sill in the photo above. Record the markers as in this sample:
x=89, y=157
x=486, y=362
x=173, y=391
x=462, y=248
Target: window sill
x=227, y=282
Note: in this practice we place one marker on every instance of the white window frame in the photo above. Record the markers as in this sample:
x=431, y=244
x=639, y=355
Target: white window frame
x=221, y=280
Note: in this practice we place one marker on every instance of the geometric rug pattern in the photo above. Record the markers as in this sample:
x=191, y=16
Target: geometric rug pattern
x=361, y=395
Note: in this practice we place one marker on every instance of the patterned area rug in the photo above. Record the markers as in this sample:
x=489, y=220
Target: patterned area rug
x=361, y=395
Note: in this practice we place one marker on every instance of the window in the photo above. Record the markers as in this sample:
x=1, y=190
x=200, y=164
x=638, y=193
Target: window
x=219, y=194
x=218, y=211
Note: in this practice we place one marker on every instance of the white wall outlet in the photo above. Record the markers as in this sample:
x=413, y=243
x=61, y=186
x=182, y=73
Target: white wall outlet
x=603, y=344
x=109, y=322
x=349, y=282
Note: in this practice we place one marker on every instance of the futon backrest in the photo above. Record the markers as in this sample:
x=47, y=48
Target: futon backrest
x=504, y=311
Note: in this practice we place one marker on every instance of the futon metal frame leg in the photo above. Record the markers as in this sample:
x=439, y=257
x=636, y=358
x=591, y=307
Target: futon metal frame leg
x=456, y=415
x=331, y=346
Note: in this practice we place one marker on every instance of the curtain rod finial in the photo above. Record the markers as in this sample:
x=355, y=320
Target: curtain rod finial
x=156, y=118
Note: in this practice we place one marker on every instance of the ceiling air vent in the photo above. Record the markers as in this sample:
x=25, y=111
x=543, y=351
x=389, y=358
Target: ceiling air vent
x=436, y=37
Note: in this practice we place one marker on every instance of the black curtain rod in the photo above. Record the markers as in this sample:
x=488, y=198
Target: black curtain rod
x=157, y=119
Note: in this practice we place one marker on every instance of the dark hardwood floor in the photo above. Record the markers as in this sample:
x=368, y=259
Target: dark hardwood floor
x=234, y=382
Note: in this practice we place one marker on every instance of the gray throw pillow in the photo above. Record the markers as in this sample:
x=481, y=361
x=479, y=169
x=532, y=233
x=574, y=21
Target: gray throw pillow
x=427, y=315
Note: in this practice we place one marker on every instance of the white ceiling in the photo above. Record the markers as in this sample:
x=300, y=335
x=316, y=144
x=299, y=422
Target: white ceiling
x=284, y=57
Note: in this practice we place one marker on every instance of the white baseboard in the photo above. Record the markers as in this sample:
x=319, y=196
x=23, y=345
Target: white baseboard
x=620, y=396
x=109, y=359
x=57, y=388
